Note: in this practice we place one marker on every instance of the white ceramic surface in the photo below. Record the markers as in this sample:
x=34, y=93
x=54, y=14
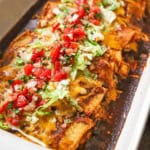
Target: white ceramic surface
x=9, y=141
x=138, y=114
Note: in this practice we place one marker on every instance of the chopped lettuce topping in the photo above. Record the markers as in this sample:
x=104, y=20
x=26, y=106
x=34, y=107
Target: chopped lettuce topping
x=41, y=31
x=40, y=112
x=36, y=44
x=59, y=93
x=88, y=74
x=95, y=48
x=67, y=1
x=83, y=57
x=74, y=103
x=108, y=15
x=94, y=34
x=4, y=125
x=19, y=61
x=61, y=12
x=112, y=4
x=81, y=62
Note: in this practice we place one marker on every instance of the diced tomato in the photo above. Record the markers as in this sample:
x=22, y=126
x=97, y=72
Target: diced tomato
x=42, y=73
x=36, y=56
x=95, y=9
x=66, y=44
x=55, y=53
x=46, y=73
x=55, y=27
x=91, y=15
x=28, y=69
x=68, y=35
x=70, y=51
x=24, y=91
x=78, y=33
x=13, y=120
x=95, y=21
x=81, y=2
x=73, y=34
x=16, y=82
x=57, y=66
x=61, y=75
x=37, y=73
x=29, y=96
x=21, y=101
x=71, y=47
x=76, y=16
x=40, y=84
x=4, y=107
x=40, y=103
x=81, y=12
x=13, y=96
x=31, y=91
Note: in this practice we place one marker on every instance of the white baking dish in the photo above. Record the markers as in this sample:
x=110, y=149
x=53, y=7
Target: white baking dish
x=138, y=114
x=9, y=141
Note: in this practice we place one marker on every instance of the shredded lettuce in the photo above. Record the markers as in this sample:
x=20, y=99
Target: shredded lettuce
x=63, y=8
x=40, y=112
x=81, y=63
x=37, y=44
x=93, y=31
x=74, y=73
x=61, y=13
x=4, y=125
x=41, y=31
x=59, y=93
x=89, y=75
x=74, y=103
x=85, y=54
x=113, y=4
x=94, y=34
x=19, y=61
x=108, y=15
x=89, y=24
x=67, y=1
x=95, y=48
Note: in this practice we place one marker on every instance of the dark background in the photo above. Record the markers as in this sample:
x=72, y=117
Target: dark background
x=145, y=141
